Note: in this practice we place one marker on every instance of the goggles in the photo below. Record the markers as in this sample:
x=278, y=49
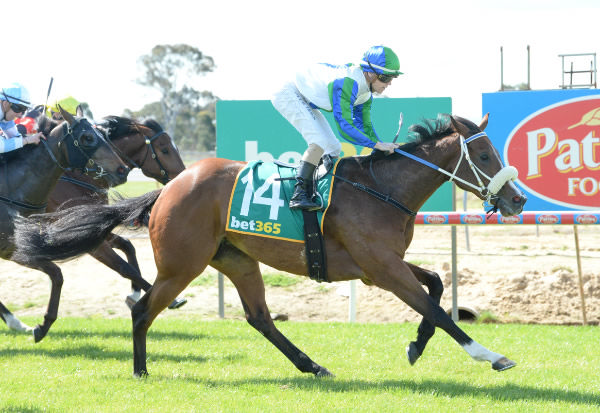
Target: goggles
x=17, y=108
x=382, y=77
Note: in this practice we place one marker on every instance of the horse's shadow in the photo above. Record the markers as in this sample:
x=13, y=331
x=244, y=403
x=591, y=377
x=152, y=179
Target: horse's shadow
x=505, y=392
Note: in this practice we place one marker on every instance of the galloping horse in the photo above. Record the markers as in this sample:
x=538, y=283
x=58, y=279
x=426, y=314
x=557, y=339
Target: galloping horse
x=365, y=238
x=29, y=175
x=141, y=145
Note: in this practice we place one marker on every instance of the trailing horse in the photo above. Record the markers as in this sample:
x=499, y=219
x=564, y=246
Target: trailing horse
x=30, y=174
x=365, y=238
x=141, y=145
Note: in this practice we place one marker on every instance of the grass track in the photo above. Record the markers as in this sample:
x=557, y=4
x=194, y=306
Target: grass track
x=85, y=365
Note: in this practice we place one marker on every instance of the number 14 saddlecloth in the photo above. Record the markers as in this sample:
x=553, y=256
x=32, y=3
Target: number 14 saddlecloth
x=259, y=202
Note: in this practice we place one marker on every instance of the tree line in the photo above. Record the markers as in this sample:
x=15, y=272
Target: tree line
x=186, y=113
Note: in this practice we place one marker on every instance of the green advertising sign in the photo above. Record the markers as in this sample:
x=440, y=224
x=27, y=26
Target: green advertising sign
x=252, y=129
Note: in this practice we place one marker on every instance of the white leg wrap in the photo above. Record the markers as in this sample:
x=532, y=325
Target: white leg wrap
x=15, y=324
x=480, y=353
x=135, y=296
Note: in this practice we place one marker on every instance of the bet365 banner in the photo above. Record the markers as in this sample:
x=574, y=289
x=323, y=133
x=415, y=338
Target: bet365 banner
x=553, y=139
x=253, y=130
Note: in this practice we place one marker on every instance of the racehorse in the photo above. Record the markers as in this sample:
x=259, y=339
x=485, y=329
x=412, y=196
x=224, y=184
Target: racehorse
x=30, y=173
x=365, y=238
x=141, y=145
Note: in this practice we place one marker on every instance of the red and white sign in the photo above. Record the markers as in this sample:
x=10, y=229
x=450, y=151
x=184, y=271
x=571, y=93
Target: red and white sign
x=557, y=152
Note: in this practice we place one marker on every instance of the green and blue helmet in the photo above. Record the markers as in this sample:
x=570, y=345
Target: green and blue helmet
x=382, y=61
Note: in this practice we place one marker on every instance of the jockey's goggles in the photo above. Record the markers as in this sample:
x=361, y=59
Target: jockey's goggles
x=381, y=76
x=17, y=108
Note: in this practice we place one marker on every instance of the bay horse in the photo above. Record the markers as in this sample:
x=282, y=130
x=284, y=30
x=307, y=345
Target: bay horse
x=140, y=145
x=30, y=174
x=365, y=238
x=144, y=145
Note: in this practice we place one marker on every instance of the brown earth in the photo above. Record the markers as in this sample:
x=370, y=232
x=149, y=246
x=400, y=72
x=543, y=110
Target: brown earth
x=513, y=273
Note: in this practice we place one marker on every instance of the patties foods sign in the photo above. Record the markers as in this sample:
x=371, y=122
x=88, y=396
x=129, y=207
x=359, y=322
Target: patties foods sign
x=556, y=150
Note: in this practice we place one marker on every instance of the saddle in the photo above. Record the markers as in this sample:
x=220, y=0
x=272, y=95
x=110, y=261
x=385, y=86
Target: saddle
x=314, y=243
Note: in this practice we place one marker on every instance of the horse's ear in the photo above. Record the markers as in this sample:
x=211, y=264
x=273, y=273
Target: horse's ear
x=66, y=116
x=459, y=127
x=484, y=121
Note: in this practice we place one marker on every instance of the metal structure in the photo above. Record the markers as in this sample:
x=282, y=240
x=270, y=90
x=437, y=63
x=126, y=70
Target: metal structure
x=579, y=58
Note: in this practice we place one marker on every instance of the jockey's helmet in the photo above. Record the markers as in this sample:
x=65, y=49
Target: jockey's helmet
x=68, y=103
x=382, y=61
x=16, y=93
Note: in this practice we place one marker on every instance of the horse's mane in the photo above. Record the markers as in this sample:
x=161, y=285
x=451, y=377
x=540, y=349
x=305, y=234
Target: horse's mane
x=118, y=126
x=152, y=124
x=430, y=130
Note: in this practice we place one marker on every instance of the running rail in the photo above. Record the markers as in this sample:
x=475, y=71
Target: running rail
x=526, y=218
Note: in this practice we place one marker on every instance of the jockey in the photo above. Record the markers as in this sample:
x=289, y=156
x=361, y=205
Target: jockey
x=14, y=101
x=68, y=103
x=345, y=90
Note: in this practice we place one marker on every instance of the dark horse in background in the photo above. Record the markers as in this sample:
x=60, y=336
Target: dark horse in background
x=365, y=238
x=29, y=175
x=140, y=145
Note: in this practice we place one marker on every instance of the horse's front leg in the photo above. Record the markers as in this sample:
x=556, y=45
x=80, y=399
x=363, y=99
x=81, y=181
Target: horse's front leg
x=13, y=322
x=426, y=330
x=245, y=274
x=395, y=275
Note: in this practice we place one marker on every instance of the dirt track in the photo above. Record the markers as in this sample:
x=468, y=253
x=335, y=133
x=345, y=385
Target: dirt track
x=510, y=272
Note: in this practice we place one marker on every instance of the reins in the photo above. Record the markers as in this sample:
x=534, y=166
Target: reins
x=495, y=183
x=489, y=192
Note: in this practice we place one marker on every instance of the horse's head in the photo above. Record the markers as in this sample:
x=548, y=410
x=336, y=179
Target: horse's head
x=81, y=147
x=146, y=146
x=481, y=169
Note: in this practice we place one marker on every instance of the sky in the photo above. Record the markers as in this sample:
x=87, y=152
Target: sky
x=446, y=48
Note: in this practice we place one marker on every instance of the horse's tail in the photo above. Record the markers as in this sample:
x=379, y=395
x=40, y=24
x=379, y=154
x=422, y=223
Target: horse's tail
x=71, y=232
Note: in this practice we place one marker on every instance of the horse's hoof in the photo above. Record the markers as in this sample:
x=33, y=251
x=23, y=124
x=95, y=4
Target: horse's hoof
x=178, y=302
x=38, y=334
x=323, y=372
x=503, y=364
x=412, y=353
x=142, y=374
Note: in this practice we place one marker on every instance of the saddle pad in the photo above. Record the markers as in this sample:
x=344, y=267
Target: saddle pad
x=259, y=202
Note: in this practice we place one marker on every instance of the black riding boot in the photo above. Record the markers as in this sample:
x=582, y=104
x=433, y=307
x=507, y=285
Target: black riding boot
x=303, y=191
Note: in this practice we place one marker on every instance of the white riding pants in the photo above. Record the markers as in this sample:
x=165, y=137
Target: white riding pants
x=310, y=122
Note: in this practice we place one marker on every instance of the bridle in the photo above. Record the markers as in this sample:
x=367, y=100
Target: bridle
x=149, y=148
x=495, y=183
x=90, y=165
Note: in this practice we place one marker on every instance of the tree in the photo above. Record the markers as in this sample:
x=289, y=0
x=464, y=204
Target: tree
x=173, y=70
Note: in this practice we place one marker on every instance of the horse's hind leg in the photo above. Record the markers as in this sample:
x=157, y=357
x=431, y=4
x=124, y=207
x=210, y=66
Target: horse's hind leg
x=426, y=329
x=56, y=280
x=245, y=274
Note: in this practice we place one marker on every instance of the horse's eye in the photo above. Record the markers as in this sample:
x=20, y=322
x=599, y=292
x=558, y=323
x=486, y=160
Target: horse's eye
x=165, y=151
x=88, y=140
x=484, y=157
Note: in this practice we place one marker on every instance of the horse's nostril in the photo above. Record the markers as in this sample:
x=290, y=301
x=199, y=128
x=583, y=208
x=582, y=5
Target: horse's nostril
x=122, y=171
